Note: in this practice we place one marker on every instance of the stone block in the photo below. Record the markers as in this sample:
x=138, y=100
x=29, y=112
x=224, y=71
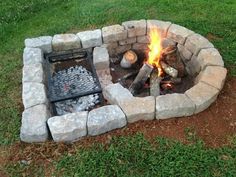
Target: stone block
x=167, y=42
x=203, y=95
x=116, y=93
x=104, y=119
x=135, y=27
x=62, y=42
x=214, y=76
x=137, y=108
x=140, y=47
x=210, y=57
x=69, y=127
x=34, y=126
x=185, y=54
x=143, y=39
x=91, y=38
x=43, y=42
x=33, y=73
x=101, y=58
x=104, y=77
x=173, y=105
x=193, y=66
x=33, y=94
x=123, y=48
x=32, y=56
x=178, y=33
x=128, y=41
x=111, y=47
x=161, y=26
x=113, y=33
x=196, y=42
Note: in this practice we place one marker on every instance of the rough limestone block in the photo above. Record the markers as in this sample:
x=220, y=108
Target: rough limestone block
x=104, y=77
x=116, y=93
x=173, y=105
x=32, y=56
x=135, y=28
x=111, y=47
x=143, y=39
x=33, y=94
x=128, y=41
x=140, y=47
x=101, y=58
x=137, y=108
x=69, y=127
x=193, y=67
x=62, y=42
x=123, y=48
x=113, y=33
x=33, y=73
x=178, y=33
x=203, y=95
x=196, y=42
x=185, y=54
x=43, y=42
x=210, y=57
x=34, y=126
x=161, y=26
x=214, y=76
x=167, y=42
x=91, y=38
x=104, y=119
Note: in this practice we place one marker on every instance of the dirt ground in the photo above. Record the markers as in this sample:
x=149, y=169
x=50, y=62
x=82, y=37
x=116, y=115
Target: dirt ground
x=214, y=126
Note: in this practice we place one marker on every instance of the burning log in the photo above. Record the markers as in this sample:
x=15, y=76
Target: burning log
x=169, y=70
x=155, y=80
x=141, y=78
x=128, y=59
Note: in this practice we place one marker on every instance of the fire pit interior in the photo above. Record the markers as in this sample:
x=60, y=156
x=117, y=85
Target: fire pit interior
x=143, y=70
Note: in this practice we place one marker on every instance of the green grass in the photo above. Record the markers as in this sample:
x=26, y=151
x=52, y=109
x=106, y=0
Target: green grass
x=20, y=19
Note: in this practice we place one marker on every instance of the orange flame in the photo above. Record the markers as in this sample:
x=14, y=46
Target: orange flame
x=155, y=48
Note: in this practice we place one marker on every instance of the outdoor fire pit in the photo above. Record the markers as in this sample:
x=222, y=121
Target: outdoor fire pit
x=89, y=83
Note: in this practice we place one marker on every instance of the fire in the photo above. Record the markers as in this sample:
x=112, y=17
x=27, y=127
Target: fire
x=155, y=49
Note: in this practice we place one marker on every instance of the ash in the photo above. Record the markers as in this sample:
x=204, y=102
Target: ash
x=78, y=104
x=72, y=81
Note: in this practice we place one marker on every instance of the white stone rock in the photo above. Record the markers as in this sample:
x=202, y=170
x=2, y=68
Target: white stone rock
x=161, y=26
x=116, y=93
x=185, y=54
x=167, y=42
x=62, y=42
x=196, y=42
x=91, y=38
x=33, y=73
x=128, y=41
x=34, y=127
x=101, y=58
x=214, y=76
x=178, y=33
x=135, y=28
x=113, y=33
x=210, y=57
x=104, y=119
x=33, y=94
x=137, y=108
x=32, y=56
x=203, y=95
x=43, y=42
x=143, y=39
x=69, y=127
x=173, y=105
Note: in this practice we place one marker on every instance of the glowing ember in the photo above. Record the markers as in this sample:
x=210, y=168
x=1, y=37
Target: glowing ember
x=155, y=49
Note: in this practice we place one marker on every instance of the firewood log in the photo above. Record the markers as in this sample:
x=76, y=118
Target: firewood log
x=155, y=83
x=169, y=70
x=128, y=59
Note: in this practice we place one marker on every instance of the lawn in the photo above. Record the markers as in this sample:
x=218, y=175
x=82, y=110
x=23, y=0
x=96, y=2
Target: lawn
x=124, y=156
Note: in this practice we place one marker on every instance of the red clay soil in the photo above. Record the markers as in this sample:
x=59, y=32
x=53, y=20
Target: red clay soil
x=214, y=126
